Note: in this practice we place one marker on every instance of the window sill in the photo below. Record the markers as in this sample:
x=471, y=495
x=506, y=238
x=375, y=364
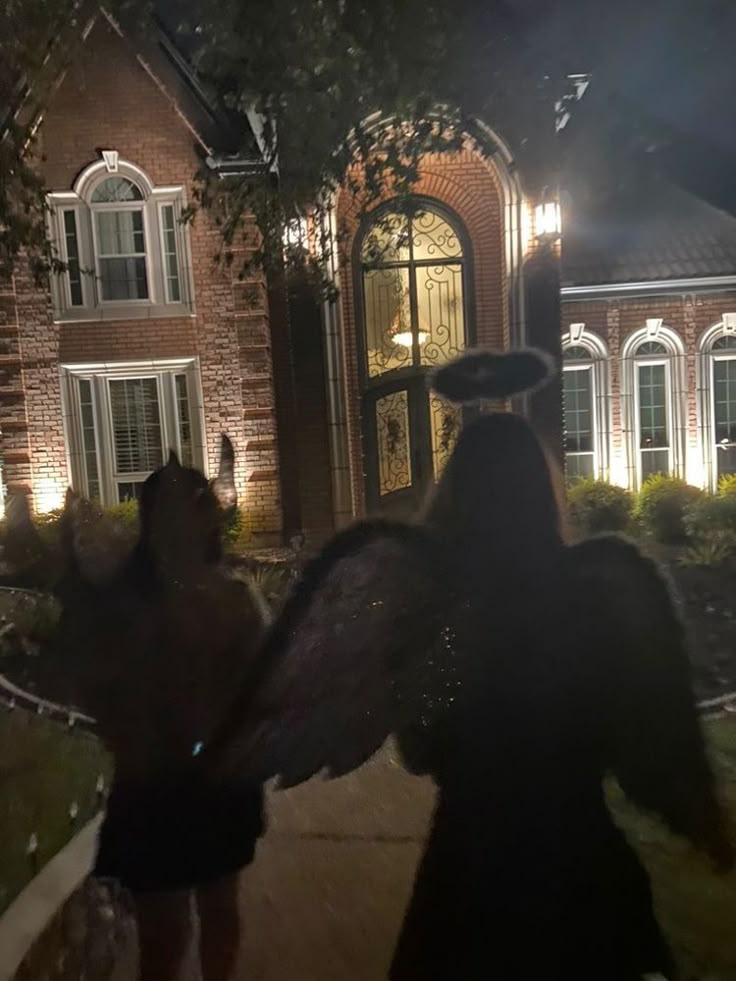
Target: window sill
x=124, y=311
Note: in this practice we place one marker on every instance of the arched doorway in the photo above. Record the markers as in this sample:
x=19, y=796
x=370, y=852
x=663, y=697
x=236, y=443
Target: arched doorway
x=413, y=290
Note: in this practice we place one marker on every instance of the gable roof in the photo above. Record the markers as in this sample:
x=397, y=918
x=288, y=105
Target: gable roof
x=217, y=130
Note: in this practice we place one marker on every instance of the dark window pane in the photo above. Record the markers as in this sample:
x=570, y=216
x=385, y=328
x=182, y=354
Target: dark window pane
x=578, y=397
x=116, y=189
x=579, y=465
x=89, y=441
x=73, y=271
x=185, y=422
x=129, y=490
x=654, y=462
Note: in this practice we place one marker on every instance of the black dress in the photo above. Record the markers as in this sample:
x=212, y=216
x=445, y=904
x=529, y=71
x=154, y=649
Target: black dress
x=179, y=831
x=525, y=875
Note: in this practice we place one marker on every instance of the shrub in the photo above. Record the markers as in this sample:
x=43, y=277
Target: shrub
x=595, y=506
x=727, y=485
x=661, y=508
x=712, y=548
x=711, y=515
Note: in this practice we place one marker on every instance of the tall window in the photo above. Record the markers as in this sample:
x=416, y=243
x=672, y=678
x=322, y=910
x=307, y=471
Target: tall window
x=579, y=413
x=586, y=393
x=723, y=357
x=123, y=245
x=120, y=241
x=122, y=421
x=653, y=409
x=413, y=292
x=653, y=402
x=412, y=272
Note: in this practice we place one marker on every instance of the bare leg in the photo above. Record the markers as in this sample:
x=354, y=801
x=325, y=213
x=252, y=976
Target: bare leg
x=165, y=932
x=219, y=928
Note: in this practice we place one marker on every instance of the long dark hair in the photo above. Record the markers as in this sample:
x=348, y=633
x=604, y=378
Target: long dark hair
x=496, y=498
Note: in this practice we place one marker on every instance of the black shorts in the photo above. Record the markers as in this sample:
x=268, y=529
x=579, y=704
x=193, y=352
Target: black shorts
x=177, y=833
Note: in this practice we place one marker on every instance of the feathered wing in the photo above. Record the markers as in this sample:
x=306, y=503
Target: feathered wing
x=660, y=758
x=347, y=660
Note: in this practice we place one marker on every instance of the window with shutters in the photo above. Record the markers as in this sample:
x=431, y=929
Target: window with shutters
x=122, y=420
x=123, y=246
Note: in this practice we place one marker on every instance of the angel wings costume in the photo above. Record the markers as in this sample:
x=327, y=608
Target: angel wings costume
x=518, y=671
x=515, y=669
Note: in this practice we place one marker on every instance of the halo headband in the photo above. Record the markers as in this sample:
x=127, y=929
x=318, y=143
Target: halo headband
x=491, y=375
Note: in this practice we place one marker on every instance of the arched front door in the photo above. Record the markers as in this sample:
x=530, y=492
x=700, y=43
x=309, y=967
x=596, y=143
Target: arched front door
x=413, y=288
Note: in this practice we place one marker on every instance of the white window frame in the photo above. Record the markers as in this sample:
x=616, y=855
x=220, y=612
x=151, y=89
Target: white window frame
x=675, y=394
x=115, y=207
x=654, y=362
x=706, y=398
x=100, y=375
x=598, y=364
x=159, y=302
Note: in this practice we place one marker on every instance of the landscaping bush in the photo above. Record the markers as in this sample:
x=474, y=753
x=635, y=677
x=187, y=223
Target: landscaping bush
x=595, y=506
x=661, y=507
x=727, y=485
x=711, y=515
x=710, y=525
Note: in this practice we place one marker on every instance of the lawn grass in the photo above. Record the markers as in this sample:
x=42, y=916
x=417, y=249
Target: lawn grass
x=696, y=908
x=45, y=767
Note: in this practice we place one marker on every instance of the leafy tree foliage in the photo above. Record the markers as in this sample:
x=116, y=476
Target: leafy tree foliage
x=314, y=75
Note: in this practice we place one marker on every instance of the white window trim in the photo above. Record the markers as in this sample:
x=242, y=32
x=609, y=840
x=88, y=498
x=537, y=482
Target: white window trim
x=100, y=374
x=598, y=362
x=705, y=367
x=675, y=380
x=79, y=200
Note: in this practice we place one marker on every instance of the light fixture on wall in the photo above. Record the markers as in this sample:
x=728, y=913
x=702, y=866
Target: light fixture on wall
x=547, y=219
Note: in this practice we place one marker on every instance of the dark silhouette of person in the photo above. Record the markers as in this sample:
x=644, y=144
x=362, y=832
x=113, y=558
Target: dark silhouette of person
x=155, y=640
x=518, y=672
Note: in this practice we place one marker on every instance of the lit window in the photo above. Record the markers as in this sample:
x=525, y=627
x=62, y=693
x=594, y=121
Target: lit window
x=412, y=292
x=654, y=422
x=579, y=413
x=723, y=352
x=123, y=245
x=122, y=421
x=586, y=403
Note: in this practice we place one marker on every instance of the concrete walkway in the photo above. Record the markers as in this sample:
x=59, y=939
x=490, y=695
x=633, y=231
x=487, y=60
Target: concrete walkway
x=323, y=900
x=326, y=895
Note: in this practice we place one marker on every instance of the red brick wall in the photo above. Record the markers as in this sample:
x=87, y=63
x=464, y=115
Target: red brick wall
x=614, y=320
x=107, y=101
x=468, y=185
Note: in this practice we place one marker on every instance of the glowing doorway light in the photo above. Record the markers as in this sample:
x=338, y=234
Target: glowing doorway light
x=547, y=220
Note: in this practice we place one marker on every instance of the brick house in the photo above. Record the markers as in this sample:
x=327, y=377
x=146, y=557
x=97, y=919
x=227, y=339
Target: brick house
x=649, y=337
x=145, y=343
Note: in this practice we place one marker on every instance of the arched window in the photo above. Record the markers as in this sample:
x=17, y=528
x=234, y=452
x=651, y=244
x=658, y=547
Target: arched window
x=586, y=399
x=123, y=245
x=717, y=386
x=413, y=291
x=119, y=239
x=652, y=393
x=411, y=285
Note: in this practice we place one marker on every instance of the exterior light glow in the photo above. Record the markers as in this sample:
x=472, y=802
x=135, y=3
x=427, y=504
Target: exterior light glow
x=49, y=496
x=547, y=221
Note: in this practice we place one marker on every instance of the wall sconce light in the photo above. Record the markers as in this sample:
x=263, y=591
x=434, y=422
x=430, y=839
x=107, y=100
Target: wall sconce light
x=295, y=234
x=547, y=220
